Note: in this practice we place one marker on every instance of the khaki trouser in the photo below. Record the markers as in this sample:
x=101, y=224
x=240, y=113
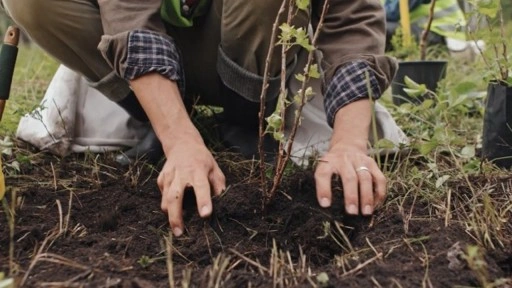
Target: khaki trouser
x=70, y=31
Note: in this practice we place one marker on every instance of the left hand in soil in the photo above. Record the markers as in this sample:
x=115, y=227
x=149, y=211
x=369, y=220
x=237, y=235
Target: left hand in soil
x=189, y=165
x=364, y=185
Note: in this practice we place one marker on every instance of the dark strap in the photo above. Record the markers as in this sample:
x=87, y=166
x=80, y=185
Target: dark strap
x=8, y=55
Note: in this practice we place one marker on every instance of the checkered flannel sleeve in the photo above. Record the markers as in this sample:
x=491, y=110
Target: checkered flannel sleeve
x=153, y=52
x=351, y=82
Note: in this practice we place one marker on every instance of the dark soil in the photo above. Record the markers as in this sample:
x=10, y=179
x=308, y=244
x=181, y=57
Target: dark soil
x=115, y=236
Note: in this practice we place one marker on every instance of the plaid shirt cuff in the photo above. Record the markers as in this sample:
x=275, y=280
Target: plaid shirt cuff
x=350, y=83
x=153, y=52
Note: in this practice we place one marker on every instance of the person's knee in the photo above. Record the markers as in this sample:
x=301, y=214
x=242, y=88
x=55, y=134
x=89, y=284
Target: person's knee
x=27, y=13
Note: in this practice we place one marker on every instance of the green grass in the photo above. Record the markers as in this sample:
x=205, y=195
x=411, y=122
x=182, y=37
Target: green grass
x=33, y=72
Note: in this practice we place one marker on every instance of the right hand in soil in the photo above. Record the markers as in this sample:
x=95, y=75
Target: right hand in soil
x=189, y=165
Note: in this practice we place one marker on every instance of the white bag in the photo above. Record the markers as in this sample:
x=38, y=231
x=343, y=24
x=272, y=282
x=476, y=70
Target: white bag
x=73, y=117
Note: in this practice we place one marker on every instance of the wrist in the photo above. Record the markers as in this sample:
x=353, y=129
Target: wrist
x=352, y=126
x=184, y=134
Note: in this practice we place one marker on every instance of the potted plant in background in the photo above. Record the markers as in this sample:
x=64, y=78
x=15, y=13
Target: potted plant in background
x=422, y=71
x=497, y=126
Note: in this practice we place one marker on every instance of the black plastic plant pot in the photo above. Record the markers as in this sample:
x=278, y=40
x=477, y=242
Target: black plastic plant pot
x=421, y=72
x=497, y=134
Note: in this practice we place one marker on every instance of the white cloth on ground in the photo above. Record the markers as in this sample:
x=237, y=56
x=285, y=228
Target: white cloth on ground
x=73, y=117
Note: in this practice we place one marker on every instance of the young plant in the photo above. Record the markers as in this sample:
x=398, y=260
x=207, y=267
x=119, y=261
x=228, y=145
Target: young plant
x=404, y=45
x=489, y=15
x=289, y=37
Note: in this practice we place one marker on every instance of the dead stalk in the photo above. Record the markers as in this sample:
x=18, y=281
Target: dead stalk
x=51, y=257
x=54, y=177
x=362, y=265
x=344, y=236
x=170, y=266
x=61, y=222
x=250, y=261
x=36, y=258
x=447, y=215
x=187, y=278
x=68, y=216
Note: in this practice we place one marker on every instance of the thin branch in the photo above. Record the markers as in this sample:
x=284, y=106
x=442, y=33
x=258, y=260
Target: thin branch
x=503, y=68
x=494, y=46
x=426, y=31
x=263, y=97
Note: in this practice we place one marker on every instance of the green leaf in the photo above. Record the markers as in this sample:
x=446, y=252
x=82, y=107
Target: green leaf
x=278, y=135
x=465, y=87
x=473, y=166
x=427, y=147
x=309, y=92
x=459, y=100
x=384, y=144
x=287, y=32
x=468, y=152
x=302, y=4
x=302, y=39
x=488, y=8
x=322, y=279
x=427, y=103
x=413, y=92
x=274, y=121
x=440, y=181
x=409, y=83
x=313, y=71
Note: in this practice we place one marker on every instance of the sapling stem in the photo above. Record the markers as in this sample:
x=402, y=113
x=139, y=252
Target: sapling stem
x=495, y=49
x=426, y=31
x=504, y=70
x=263, y=98
x=284, y=157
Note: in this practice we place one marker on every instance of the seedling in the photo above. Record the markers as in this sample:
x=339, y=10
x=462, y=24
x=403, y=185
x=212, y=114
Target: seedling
x=289, y=36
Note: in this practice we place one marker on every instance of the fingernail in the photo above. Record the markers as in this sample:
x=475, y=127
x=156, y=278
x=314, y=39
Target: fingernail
x=352, y=209
x=325, y=202
x=177, y=232
x=205, y=210
x=367, y=210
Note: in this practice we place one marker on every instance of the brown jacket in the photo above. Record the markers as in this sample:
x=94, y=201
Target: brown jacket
x=352, y=30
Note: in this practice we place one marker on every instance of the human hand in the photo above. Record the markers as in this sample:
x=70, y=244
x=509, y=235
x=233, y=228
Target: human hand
x=364, y=185
x=189, y=165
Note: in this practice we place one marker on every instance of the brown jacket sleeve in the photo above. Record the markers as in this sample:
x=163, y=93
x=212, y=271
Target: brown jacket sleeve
x=354, y=30
x=119, y=18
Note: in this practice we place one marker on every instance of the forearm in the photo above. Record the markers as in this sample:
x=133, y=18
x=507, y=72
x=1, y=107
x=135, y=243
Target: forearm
x=352, y=125
x=162, y=102
x=354, y=31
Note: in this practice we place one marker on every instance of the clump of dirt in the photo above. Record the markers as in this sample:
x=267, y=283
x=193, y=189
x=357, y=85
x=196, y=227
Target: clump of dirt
x=98, y=225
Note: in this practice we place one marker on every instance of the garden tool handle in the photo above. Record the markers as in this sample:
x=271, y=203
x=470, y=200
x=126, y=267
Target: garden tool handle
x=8, y=54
